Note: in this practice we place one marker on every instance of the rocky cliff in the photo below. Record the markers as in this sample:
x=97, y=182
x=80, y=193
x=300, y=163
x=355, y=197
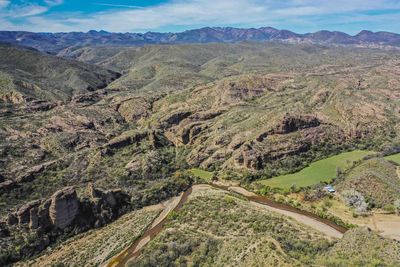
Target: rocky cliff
x=64, y=209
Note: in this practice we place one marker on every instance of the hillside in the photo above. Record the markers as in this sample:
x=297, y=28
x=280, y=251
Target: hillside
x=248, y=121
x=27, y=75
x=254, y=236
x=376, y=179
x=97, y=246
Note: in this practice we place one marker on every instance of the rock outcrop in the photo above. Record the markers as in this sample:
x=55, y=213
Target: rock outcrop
x=176, y=118
x=135, y=109
x=64, y=207
x=155, y=138
x=125, y=140
x=291, y=124
x=24, y=213
x=30, y=174
x=189, y=126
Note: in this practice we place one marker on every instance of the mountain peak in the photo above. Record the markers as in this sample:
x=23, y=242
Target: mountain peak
x=55, y=42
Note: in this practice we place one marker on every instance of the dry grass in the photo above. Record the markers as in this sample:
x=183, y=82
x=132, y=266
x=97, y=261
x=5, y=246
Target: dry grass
x=96, y=246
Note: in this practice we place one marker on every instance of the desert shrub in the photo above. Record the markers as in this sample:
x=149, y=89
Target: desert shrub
x=356, y=200
x=249, y=177
x=313, y=195
x=389, y=208
x=327, y=203
x=163, y=190
x=390, y=150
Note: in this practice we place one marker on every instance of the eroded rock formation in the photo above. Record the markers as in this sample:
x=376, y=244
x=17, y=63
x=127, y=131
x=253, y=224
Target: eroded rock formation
x=64, y=209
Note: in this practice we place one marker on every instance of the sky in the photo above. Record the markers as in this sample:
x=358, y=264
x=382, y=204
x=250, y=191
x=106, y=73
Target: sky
x=301, y=16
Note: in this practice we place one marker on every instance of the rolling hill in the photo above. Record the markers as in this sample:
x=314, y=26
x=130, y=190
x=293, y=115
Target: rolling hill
x=27, y=74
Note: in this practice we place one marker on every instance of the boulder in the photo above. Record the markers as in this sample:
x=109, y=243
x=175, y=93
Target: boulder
x=43, y=214
x=64, y=207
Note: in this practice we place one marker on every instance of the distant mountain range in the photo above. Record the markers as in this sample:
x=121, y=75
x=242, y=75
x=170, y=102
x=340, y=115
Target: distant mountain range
x=55, y=42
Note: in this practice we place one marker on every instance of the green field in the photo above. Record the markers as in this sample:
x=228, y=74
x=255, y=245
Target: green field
x=395, y=158
x=319, y=171
x=202, y=174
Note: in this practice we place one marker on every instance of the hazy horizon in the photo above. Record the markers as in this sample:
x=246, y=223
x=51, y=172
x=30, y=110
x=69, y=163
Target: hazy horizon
x=192, y=29
x=303, y=16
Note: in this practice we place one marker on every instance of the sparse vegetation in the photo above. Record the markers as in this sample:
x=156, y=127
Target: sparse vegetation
x=215, y=228
x=95, y=247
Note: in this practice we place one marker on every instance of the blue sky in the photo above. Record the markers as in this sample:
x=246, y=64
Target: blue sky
x=301, y=16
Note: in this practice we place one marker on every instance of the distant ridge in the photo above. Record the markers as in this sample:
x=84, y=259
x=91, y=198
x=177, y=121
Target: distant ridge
x=55, y=42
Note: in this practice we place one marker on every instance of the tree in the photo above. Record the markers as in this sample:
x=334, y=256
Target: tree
x=355, y=199
x=339, y=172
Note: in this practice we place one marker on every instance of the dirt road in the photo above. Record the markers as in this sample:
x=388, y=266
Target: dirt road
x=329, y=228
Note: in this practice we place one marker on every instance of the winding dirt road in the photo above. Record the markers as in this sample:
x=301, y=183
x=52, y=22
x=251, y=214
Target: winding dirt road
x=327, y=227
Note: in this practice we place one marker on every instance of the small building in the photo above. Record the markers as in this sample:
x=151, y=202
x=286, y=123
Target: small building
x=330, y=189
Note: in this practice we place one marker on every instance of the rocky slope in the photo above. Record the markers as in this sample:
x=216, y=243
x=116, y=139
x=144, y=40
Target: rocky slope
x=60, y=215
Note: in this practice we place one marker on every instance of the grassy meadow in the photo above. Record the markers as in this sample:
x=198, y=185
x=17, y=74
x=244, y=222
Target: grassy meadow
x=395, y=158
x=202, y=174
x=319, y=171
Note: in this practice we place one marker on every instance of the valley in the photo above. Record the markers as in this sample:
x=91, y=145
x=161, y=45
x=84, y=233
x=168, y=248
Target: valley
x=213, y=154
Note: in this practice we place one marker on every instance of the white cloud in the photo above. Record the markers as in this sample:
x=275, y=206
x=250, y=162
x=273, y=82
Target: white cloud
x=25, y=9
x=53, y=2
x=4, y=3
x=307, y=14
x=118, y=5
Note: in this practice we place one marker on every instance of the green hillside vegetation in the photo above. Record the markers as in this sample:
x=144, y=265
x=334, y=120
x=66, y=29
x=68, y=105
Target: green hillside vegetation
x=319, y=171
x=215, y=228
x=376, y=179
x=361, y=247
x=173, y=67
x=395, y=158
x=45, y=77
x=202, y=174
